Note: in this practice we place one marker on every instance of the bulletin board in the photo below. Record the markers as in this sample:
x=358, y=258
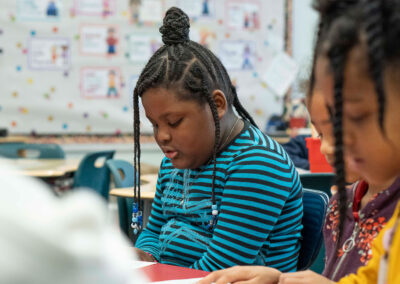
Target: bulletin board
x=70, y=66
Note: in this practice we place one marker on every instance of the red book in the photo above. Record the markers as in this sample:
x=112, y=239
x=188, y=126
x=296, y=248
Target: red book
x=164, y=272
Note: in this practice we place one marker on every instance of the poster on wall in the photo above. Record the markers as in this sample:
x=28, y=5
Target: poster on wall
x=204, y=36
x=141, y=46
x=147, y=12
x=281, y=73
x=243, y=15
x=100, y=82
x=49, y=53
x=238, y=55
x=101, y=8
x=38, y=10
x=80, y=59
x=99, y=40
x=198, y=8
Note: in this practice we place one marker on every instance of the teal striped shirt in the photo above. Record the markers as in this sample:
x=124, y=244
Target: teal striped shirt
x=259, y=197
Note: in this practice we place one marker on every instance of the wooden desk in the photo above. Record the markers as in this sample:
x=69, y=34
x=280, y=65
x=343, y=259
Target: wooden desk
x=54, y=168
x=164, y=272
x=147, y=189
x=44, y=168
x=14, y=139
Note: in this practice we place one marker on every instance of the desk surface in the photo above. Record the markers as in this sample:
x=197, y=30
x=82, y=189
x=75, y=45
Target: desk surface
x=163, y=272
x=147, y=189
x=14, y=139
x=44, y=168
x=53, y=168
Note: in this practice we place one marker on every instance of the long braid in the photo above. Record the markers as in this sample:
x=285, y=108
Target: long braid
x=373, y=25
x=337, y=63
x=240, y=109
x=136, y=218
x=214, y=112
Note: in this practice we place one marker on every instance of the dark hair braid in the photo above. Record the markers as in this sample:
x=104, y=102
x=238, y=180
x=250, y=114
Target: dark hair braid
x=193, y=71
x=239, y=107
x=337, y=63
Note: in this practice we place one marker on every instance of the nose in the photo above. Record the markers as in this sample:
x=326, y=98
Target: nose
x=327, y=147
x=162, y=135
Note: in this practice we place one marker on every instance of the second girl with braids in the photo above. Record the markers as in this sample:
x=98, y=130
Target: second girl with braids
x=226, y=193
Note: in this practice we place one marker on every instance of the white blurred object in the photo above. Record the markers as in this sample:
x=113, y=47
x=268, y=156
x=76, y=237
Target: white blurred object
x=281, y=73
x=45, y=239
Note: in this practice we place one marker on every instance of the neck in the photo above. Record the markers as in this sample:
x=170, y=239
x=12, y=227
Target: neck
x=374, y=189
x=232, y=127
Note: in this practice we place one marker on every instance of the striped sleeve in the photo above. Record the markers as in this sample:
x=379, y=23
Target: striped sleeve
x=148, y=240
x=259, y=182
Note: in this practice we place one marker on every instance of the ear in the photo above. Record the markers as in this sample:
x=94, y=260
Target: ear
x=220, y=102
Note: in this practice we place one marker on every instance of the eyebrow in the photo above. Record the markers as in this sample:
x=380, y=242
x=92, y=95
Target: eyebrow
x=352, y=100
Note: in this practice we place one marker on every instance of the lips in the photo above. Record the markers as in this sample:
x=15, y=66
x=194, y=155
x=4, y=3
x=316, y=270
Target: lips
x=355, y=163
x=170, y=153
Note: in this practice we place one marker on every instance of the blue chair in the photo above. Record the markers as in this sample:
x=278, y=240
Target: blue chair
x=315, y=204
x=91, y=176
x=318, y=181
x=123, y=175
x=31, y=151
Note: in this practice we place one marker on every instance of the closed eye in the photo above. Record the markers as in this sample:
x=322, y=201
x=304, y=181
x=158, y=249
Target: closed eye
x=175, y=123
x=358, y=118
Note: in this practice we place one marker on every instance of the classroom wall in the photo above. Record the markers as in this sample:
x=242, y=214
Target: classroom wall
x=70, y=66
x=304, y=24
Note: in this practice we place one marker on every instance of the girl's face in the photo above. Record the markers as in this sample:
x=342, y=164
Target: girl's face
x=367, y=150
x=320, y=118
x=184, y=130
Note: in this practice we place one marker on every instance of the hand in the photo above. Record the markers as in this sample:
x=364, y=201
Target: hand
x=143, y=256
x=243, y=275
x=303, y=277
x=333, y=189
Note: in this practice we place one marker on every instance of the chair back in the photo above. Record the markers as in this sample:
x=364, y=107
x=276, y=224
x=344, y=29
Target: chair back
x=314, y=210
x=123, y=175
x=122, y=172
x=31, y=151
x=318, y=181
x=94, y=176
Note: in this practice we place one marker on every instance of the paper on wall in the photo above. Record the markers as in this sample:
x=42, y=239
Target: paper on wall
x=281, y=74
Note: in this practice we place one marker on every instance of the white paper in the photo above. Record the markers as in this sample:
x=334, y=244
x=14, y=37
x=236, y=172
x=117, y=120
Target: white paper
x=142, y=46
x=49, y=53
x=237, y=55
x=281, y=74
x=150, y=11
x=38, y=10
x=95, y=39
x=136, y=264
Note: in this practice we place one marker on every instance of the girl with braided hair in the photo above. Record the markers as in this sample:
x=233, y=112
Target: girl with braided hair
x=372, y=143
x=359, y=67
x=226, y=193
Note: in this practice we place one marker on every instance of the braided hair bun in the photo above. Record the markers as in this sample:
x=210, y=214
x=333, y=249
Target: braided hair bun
x=175, y=28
